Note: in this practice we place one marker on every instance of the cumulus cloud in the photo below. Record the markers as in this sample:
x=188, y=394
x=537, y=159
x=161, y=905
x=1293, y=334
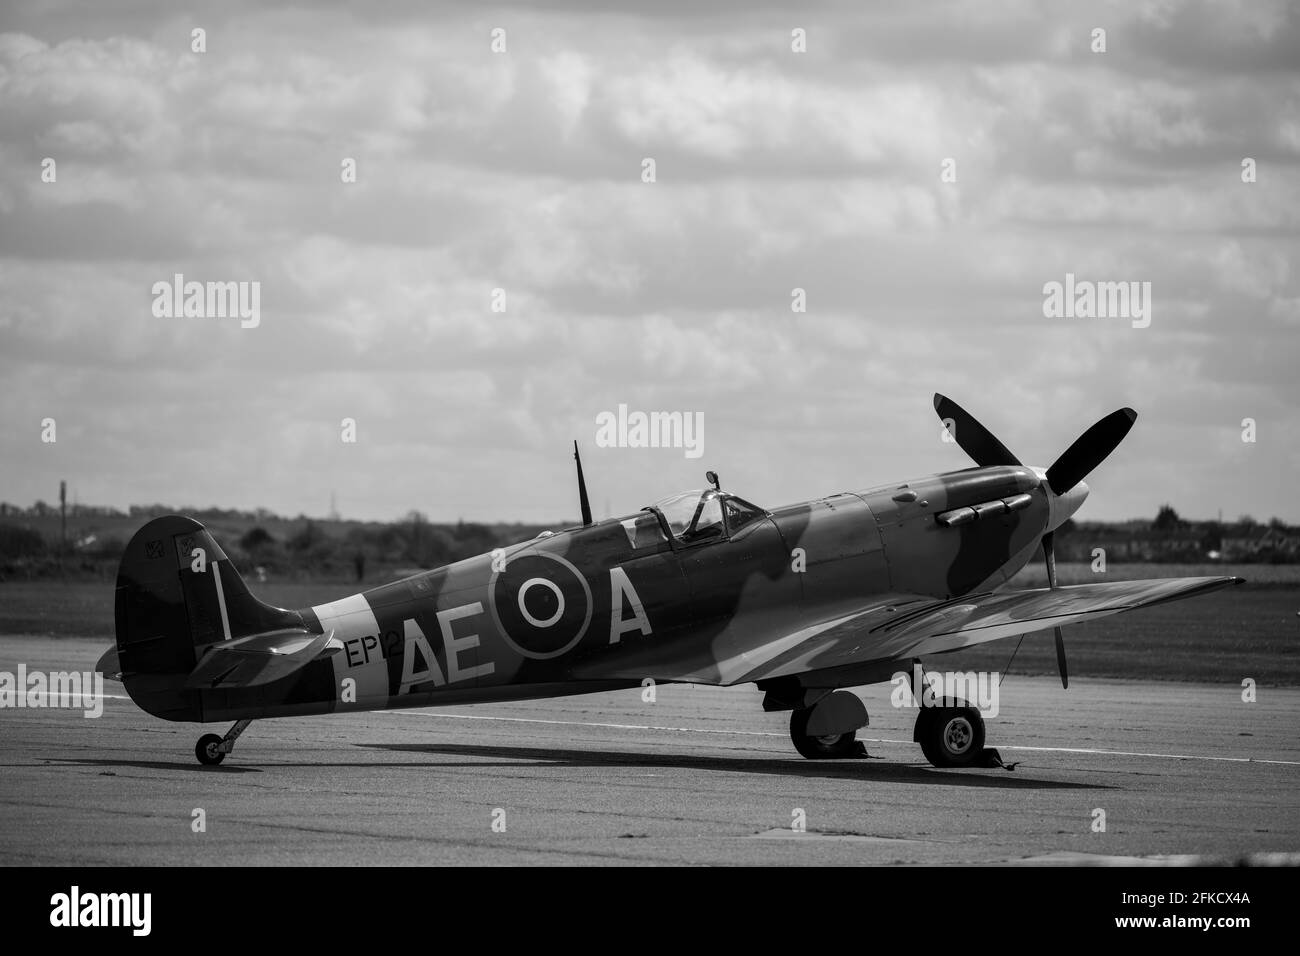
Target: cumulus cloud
x=521, y=171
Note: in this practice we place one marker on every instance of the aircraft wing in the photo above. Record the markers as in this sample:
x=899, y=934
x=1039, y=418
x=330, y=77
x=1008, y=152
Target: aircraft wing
x=895, y=628
x=902, y=631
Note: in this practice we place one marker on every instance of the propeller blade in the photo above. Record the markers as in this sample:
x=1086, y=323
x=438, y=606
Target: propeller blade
x=1060, y=659
x=1049, y=555
x=974, y=439
x=1089, y=450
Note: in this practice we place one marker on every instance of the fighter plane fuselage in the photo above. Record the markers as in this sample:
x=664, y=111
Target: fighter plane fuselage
x=595, y=607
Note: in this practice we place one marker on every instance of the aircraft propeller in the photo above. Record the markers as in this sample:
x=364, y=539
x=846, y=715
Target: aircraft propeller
x=1086, y=452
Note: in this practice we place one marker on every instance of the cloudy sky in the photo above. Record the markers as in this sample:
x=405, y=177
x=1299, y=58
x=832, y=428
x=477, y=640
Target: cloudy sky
x=522, y=170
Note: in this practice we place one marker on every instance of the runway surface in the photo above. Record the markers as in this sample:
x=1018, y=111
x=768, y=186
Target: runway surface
x=700, y=776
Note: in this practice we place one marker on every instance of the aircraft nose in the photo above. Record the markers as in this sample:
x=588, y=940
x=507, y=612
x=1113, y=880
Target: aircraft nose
x=1063, y=506
x=1076, y=497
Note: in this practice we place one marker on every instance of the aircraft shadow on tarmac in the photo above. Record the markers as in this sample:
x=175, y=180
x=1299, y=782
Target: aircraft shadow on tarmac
x=873, y=770
x=150, y=764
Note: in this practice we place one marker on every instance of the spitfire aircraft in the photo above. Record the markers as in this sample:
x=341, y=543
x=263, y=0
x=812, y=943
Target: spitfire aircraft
x=702, y=587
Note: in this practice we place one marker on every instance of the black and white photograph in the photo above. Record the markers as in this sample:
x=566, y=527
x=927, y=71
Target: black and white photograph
x=530, y=435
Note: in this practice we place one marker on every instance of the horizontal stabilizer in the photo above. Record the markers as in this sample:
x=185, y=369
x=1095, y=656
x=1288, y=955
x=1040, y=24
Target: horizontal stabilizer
x=259, y=658
x=109, y=665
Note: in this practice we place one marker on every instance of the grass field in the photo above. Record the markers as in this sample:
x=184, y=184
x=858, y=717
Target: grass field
x=1223, y=637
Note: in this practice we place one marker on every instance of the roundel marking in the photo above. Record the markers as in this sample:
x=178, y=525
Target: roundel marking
x=523, y=601
x=541, y=605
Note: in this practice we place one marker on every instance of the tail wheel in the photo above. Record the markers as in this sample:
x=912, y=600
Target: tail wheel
x=208, y=750
x=820, y=748
x=951, y=736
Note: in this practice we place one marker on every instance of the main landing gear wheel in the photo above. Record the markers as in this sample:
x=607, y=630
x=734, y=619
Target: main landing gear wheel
x=821, y=748
x=951, y=736
x=208, y=750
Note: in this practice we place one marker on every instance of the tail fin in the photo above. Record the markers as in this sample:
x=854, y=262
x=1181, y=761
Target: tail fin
x=178, y=593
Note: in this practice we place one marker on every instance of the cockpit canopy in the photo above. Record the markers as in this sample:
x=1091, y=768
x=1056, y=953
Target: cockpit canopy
x=693, y=516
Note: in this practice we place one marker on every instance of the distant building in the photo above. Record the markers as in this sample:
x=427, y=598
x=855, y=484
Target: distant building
x=1133, y=541
x=1191, y=542
x=1247, y=542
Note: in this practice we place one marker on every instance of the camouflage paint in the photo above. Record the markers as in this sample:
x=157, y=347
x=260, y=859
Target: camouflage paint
x=814, y=595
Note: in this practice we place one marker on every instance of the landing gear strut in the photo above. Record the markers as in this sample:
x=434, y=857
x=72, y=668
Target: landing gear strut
x=211, y=749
